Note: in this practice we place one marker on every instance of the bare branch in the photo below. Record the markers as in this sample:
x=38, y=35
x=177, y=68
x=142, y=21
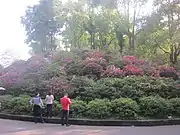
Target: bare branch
x=163, y=50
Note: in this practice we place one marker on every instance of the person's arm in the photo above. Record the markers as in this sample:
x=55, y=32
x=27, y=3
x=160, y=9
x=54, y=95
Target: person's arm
x=69, y=101
x=41, y=102
x=52, y=97
x=31, y=101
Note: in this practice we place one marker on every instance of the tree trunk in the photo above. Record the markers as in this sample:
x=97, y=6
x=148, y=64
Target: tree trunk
x=175, y=52
x=132, y=45
x=91, y=40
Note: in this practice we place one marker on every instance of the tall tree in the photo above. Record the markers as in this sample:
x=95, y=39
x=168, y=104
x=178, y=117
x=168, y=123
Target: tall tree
x=170, y=12
x=41, y=26
x=131, y=11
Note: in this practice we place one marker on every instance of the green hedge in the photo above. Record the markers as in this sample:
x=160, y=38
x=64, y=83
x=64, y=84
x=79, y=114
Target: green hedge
x=122, y=108
x=129, y=87
x=18, y=105
x=87, y=89
x=125, y=108
x=175, y=107
x=154, y=107
x=99, y=109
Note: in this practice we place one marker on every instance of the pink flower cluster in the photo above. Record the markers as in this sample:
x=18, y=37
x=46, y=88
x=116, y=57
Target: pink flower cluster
x=128, y=70
x=166, y=69
x=132, y=70
x=112, y=71
x=132, y=60
x=102, y=62
x=9, y=78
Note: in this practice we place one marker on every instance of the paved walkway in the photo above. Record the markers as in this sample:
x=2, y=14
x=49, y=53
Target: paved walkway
x=8, y=127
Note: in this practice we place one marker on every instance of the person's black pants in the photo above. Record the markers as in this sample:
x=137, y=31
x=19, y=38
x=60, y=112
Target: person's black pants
x=49, y=110
x=64, y=115
x=37, y=112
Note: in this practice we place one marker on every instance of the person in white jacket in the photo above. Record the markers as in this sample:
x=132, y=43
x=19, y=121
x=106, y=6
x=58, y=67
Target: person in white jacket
x=49, y=104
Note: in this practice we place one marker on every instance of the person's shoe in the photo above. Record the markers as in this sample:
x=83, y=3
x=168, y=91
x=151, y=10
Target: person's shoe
x=62, y=124
x=67, y=125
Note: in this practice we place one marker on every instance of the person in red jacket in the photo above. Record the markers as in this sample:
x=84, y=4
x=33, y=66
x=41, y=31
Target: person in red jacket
x=65, y=103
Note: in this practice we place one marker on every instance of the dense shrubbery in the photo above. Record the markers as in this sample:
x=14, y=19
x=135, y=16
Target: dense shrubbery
x=94, y=78
x=125, y=108
x=174, y=104
x=122, y=108
x=154, y=107
x=18, y=105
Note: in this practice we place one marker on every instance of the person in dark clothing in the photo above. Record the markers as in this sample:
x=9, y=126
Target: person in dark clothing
x=65, y=103
x=37, y=107
x=49, y=104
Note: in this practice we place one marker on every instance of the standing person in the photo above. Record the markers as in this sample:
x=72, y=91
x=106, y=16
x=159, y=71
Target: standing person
x=49, y=104
x=37, y=103
x=65, y=103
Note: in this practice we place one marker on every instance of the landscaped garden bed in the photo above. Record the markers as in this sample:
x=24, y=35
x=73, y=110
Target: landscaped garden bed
x=101, y=87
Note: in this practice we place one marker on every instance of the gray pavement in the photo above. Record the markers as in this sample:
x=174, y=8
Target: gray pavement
x=8, y=127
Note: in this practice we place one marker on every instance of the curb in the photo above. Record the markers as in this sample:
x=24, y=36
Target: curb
x=161, y=122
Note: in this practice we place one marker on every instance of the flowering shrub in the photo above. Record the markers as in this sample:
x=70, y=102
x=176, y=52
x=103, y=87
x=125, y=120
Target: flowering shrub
x=112, y=71
x=9, y=78
x=57, y=85
x=108, y=56
x=73, y=68
x=102, y=62
x=63, y=57
x=35, y=63
x=92, y=68
x=132, y=70
x=94, y=54
x=166, y=71
x=132, y=60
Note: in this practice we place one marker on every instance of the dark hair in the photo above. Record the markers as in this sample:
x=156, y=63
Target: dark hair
x=36, y=93
x=65, y=94
x=49, y=93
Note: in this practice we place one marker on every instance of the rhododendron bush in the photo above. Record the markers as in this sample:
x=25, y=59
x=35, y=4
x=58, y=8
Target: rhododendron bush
x=112, y=71
x=132, y=60
x=57, y=85
x=46, y=73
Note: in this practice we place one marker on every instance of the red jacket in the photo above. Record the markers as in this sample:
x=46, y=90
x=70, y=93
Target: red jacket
x=65, y=102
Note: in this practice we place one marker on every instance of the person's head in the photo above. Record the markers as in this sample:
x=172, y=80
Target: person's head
x=66, y=94
x=50, y=93
x=37, y=94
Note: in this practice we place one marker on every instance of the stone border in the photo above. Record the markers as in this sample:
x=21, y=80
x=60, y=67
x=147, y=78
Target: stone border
x=91, y=122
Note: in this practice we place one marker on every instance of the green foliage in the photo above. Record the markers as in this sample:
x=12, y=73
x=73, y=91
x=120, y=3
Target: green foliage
x=74, y=68
x=18, y=105
x=120, y=108
x=3, y=100
x=78, y=108
x=154, y=107
x=107, y=25
x=41, y=26
x=125, y=108
x=128, y=87
x=175, y=107
x=99, y=109
x=51, y=71
x=56, y=108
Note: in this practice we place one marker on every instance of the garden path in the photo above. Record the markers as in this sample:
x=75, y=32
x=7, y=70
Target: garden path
x=8, y=127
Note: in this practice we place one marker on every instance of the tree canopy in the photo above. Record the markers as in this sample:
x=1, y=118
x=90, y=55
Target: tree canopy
x=108, y=25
